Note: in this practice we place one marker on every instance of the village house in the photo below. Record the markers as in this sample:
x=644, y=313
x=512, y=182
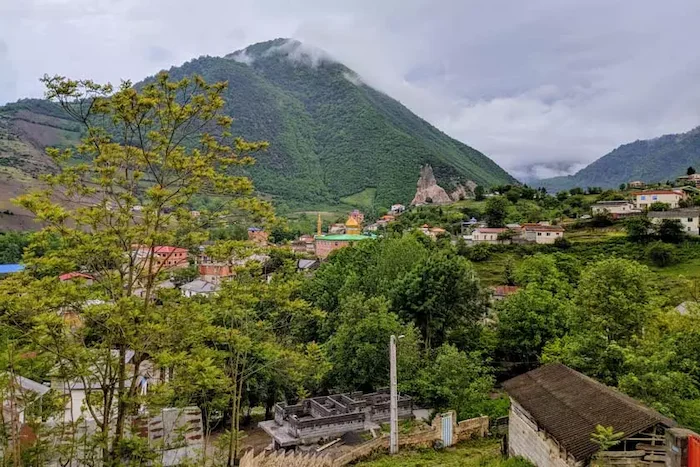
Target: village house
x=692, y=179
x=397, y=209
x=617, y=209
x=689, y=218
x=554, y=410
x=304, y=244
x=163, y=258
x=199, y=287
x=494, y=235
x=336, y=229
x=21, y=394
x=543, y=234
x=214, y=272
x=636, y=184
x=257, y=236
x=644, y=199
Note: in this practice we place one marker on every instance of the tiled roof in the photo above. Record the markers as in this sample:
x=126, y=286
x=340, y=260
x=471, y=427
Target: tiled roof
x=657, y=192
x=543, y=228
x=568, y=405
x=491, y=230
x=504, y=290
x=675, y=213
x=73, y=275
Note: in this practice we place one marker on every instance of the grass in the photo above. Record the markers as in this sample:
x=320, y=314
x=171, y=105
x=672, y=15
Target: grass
x=479, y=453
x=363, y=199
x=490, y=272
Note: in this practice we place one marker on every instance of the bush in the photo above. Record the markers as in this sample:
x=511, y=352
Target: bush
x=479, y=252
x=659, y=206
x=661, y=254
x=562, y=243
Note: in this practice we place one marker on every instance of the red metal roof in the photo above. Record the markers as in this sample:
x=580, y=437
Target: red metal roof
x=504, y=290
x=491, y=230
x=73, y=275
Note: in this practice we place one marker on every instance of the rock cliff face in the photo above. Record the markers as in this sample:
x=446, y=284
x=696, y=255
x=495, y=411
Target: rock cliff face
x=463, y=190
x=428, y=191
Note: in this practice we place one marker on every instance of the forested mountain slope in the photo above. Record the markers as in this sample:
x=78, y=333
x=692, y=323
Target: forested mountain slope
x=330, y=135
x=653, y=160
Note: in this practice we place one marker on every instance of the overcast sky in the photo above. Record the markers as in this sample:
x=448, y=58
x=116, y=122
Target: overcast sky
x=541, y=86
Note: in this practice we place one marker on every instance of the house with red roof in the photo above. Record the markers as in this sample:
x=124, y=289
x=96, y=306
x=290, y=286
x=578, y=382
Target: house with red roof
x=644, y=199
x=163, y=257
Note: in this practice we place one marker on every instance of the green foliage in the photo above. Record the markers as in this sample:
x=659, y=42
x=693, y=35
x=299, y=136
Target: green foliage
x=496, y=211
x=456, y=380
x=671, y=231
x=528, y=321
x=639, y=229
x=479, y=193
x=478, y=253
x=659, y=206
x=441, y=293
x=358, y=351
x=690, y=170
x=606, y=437
x=661, y=254
x=12, y=245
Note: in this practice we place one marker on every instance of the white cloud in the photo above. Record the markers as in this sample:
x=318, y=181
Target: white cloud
x=541, y=86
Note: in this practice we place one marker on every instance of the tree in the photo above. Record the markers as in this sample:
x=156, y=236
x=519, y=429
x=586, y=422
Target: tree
x=623, y=186
x=614, y=297
x=358, y=351
x=639, y=229
x=157, y=146
x=671, y=231
x=527, y=321
x=509, y=271
x=661, y=254
x=496, y=210
x=659, y=206
x=690, y=171
x=479, y=193
x=440, y=294
x=576, y=191
x=456, y=380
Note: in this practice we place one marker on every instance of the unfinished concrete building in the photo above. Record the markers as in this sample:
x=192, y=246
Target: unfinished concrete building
x=319, y=418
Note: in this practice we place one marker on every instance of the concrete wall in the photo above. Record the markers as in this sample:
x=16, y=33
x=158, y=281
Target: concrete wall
x=527, y=440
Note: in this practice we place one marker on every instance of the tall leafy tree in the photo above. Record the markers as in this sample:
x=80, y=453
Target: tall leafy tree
x=124, y=190
x=496, y=211
x=440, y=294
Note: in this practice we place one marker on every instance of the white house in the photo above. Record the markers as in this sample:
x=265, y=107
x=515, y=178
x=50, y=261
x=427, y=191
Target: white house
x=617, y=209
x=543, y=233
x=491, y=234
x=689, y=218
x=644, y=199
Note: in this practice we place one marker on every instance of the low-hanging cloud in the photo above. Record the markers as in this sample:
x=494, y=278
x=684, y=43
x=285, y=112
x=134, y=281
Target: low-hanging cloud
x=542, y=86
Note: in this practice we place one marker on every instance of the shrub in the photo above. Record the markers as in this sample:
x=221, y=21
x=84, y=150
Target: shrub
x=661, y=254
x=562, y=243
x=478, y=253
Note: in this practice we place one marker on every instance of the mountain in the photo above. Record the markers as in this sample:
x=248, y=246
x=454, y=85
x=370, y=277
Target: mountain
x=653, y=160
x=332, y=137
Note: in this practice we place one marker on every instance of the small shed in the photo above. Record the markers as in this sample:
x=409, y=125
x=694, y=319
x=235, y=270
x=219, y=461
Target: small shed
x=554, y=410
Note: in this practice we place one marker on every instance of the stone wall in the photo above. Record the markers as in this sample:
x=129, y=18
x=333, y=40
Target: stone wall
x=527, y=440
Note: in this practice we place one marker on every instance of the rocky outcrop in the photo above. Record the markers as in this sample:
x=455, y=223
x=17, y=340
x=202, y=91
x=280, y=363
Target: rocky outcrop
x=428, y=191
x=463, y=191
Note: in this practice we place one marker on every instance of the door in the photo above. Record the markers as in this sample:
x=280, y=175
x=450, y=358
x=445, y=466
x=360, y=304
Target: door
x=447, y=429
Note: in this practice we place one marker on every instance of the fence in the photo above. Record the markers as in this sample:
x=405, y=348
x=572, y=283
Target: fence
x=466, y=429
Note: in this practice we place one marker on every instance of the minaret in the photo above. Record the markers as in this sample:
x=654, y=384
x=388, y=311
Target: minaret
x=318, y=225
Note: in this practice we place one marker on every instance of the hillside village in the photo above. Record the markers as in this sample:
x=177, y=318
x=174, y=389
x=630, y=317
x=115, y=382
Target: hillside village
x=186, y=296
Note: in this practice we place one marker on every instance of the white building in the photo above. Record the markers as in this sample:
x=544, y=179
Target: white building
x=644, y=199
x=491, y=235
x=689, y=218
x=543, y=233
x=616, y=209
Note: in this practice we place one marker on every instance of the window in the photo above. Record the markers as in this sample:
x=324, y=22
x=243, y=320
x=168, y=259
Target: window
x=654, y=198
x=539, y=234
x=690, y=219
x=644, y=198
x=548, y=234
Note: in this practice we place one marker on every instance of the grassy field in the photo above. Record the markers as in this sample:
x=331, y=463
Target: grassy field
x=481, y=453
x=363, y=199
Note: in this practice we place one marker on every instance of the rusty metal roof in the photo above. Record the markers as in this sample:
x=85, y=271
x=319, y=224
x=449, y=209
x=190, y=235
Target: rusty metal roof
x=568, y=405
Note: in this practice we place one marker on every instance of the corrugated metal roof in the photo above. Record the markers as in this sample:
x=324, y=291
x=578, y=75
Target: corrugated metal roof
x=568, y=405
x=10, y=268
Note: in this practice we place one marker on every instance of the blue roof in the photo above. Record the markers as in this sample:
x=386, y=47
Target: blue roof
x=254, y=229
x=8, y=268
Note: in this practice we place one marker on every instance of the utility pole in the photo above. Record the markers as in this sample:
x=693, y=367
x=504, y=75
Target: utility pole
x=393, y=404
